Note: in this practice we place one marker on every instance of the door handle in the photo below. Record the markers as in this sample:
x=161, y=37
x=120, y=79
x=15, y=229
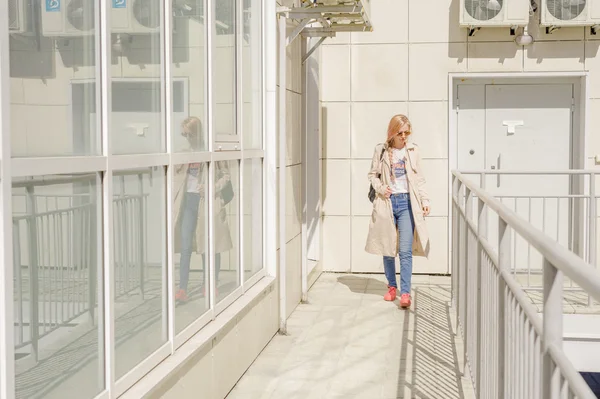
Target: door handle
x=498, y=162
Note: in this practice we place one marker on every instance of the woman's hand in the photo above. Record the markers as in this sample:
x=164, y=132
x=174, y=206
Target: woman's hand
x=388, y=192
x=426, y=210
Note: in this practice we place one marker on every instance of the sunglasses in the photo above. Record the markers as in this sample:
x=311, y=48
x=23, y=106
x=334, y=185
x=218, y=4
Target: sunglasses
x=407, y=133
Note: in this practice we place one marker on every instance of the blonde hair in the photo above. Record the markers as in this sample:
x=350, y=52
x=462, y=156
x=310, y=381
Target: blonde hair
x=193, y=125
x=396, y=123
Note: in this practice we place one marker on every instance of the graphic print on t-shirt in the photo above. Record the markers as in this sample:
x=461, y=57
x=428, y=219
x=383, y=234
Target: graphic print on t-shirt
x=193, y=179
x=400, y=183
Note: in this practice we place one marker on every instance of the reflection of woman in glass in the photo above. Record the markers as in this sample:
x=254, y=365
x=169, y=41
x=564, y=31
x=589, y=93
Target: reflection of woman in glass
x=189, y=199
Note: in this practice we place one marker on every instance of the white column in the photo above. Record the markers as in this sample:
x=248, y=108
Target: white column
x=282, y=174
x=7, y=363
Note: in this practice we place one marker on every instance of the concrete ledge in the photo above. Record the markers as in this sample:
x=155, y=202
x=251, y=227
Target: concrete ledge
x=200, y=349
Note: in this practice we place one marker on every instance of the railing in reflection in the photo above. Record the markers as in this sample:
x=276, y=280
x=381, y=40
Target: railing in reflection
x=56, y=257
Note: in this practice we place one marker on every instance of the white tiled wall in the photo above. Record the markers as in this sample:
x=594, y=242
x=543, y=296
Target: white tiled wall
x=293, y=173
x=403, y=67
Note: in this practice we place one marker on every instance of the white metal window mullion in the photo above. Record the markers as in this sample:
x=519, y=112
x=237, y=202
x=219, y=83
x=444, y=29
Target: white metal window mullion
x=7, y=362
x=210, y=9
x=105, y=51
x=168, y=98
x=239, y=98
x=270, y=133
x=263, y=134
x=44, y=166
x=179, y=158
x=241, y=215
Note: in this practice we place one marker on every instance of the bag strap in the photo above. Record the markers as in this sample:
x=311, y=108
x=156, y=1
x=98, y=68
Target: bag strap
x=381, y=160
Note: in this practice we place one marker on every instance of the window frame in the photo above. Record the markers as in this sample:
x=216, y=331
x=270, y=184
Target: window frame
x=105, y=164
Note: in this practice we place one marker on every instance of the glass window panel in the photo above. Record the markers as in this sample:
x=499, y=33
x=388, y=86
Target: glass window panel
x=226, y=226
x=58, y=316
x=252, y=236
x=139, y=242
x=252, y=77
x=224, y=64
x=136, y=120
x=53, y=79
x=188, y=69
x=190, y=223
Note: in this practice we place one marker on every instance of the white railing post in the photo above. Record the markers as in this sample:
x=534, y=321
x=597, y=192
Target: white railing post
x=455, y=267
x=553, y=324
x=465, y=274
x=481, y=234
x=593, y=224
x=504, y=256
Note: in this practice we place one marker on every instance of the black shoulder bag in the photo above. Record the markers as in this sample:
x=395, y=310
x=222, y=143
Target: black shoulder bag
x=372, y=193
x=227, y=190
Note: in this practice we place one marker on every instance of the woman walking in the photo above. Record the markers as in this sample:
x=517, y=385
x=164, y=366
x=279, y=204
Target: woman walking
x=399, y=207
x=189, y=199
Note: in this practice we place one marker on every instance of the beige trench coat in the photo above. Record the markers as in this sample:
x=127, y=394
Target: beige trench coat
x=383, y=235
x=222, y=235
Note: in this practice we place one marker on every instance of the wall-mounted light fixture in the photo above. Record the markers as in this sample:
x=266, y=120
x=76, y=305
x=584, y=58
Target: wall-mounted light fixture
x=524, y=39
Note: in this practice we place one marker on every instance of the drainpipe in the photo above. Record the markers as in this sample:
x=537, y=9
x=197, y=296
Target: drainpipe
x=282, y=174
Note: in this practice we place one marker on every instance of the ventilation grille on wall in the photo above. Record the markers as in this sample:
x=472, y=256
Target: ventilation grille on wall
x=494, y=13
x=566, y=10
x=483, y=10
x=81, y=16
x=565, y=13
x=146, y=13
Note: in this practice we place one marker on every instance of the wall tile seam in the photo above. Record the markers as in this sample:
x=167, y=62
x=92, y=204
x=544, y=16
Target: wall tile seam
x=350, y=254
x=483, y=41
x=362, y=101
x=292, y=165
x=353, y=44
x=292, y=239
x=369, y=158
x=293, y=91
x=368, y=216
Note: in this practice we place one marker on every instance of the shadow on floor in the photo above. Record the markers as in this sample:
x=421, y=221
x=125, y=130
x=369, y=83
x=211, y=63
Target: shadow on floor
x=362, y=285
x=428, y=358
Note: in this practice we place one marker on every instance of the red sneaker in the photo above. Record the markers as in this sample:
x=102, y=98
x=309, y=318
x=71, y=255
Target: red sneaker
x=181, y=295
x=405, y=301
x=391, y=294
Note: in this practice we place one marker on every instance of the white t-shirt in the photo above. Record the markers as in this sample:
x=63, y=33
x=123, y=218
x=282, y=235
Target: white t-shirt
x=193, y=178
x=400, y=183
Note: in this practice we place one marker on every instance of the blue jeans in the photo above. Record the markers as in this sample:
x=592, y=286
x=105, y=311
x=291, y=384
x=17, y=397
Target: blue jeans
x=189, y=221
x=405, y=223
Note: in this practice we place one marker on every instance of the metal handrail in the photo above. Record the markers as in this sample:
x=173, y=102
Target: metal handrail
x=510, y=350
x=566, y=261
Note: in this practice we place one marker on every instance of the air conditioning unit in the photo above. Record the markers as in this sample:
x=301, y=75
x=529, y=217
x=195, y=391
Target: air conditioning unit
x=67, y=18
x=19, y=16
x=145, y=16
x=494, y=13
x=570, y=13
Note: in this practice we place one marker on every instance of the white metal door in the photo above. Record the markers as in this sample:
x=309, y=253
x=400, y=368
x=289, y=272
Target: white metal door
x=516, y=128
x=528, y=127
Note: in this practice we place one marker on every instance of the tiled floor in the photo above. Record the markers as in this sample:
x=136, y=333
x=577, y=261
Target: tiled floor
x=349, y=343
